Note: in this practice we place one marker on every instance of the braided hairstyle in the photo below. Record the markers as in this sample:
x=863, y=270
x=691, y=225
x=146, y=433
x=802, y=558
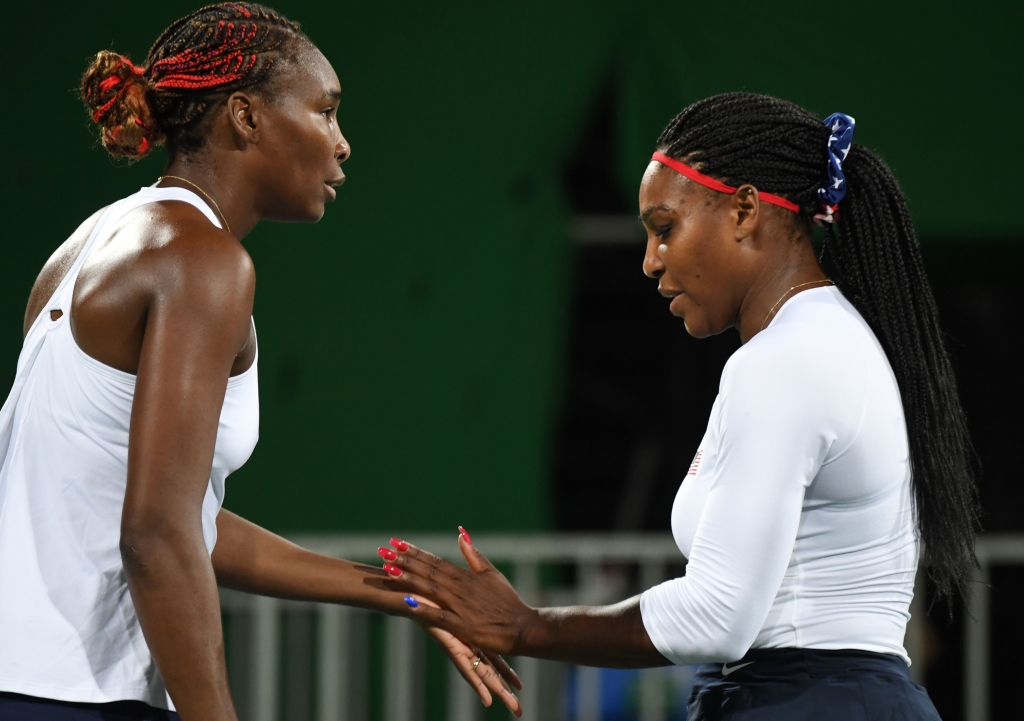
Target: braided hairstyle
x=873, y=256
x=192, y=67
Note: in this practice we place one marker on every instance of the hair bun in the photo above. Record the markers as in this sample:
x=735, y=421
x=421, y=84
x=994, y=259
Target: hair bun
x=114, y=91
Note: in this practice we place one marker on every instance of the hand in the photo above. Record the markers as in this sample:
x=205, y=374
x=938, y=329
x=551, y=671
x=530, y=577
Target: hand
x=484, y=672
x=478, y=606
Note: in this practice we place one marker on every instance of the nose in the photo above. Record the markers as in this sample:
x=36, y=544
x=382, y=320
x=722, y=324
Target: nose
x=654, y=267
x=342, y=150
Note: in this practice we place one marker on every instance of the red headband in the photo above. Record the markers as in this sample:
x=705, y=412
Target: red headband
x=699, y=177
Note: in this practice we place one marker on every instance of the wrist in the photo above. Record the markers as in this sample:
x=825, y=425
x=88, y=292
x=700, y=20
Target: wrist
x=533, y=632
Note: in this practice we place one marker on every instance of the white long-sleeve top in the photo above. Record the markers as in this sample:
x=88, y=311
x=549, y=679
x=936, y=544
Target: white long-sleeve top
x=796, y=516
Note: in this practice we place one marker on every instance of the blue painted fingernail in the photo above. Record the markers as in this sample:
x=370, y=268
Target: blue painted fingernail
x=413, y=603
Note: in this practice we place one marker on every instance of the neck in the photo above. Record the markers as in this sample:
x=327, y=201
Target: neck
x=225, y=184
x=777, y=284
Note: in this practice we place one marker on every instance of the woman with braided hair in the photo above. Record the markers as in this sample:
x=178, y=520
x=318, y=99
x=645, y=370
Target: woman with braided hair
x=836, y=446
x=136, y=390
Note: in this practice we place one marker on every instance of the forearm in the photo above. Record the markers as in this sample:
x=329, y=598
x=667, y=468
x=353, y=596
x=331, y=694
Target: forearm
x=252, y=559
x=607, y=636
x=174, y=592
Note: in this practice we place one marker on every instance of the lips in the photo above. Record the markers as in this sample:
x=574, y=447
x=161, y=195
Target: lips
x=676, y=306
x=332, y=184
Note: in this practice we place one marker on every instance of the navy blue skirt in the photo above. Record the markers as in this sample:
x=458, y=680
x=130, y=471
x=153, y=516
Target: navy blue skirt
x=15, y=707
x=798, y=684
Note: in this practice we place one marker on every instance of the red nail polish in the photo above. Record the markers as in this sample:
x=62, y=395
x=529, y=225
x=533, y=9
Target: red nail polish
x=465, y=534
x=393, y=570
x=400, y=544
x=387, y=554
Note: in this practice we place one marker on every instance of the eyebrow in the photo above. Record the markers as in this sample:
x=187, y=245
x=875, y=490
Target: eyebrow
x=650, y=211
x=333, y=95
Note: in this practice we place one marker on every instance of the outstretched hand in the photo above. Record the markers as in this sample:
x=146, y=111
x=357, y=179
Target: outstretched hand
x=484, y=672
x=478, y=606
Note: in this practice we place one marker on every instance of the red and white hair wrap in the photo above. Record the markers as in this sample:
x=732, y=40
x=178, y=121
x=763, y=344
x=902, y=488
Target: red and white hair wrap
x=706, y=180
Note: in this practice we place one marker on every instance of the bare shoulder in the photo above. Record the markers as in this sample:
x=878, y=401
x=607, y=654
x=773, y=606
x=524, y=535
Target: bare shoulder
x=57, y=267
x=162, y=266
x=185, y=257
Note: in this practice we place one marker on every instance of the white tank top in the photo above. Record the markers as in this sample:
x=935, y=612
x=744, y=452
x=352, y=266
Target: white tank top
x=68, y=628
x=797, y=515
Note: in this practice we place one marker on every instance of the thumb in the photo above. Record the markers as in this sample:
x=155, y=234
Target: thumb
x=476, y=560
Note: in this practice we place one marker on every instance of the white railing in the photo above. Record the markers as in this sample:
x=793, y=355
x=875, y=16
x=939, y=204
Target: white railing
x=993, y=550
x=293, y=661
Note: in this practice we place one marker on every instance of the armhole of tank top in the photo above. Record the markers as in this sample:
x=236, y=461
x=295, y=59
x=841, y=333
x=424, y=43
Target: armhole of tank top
x=144, y=196
x=241, y=377
x=56, y=299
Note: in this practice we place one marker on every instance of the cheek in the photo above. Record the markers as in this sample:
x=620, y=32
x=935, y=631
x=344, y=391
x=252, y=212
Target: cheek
x=686, y=258
x=305, y=146
x=698, y=258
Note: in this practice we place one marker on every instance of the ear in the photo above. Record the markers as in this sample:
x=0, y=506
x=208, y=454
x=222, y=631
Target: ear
x=243, y=117
x=746, y=210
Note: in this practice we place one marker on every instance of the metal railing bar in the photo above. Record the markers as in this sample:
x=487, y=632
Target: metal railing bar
x=537, y=548
x=266, y=642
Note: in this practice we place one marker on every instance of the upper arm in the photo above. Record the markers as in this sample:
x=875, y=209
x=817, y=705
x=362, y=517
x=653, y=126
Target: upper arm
x=773, y=440
x=198, y=316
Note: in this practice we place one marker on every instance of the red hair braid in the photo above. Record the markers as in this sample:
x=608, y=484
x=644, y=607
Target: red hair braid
x=192, y=66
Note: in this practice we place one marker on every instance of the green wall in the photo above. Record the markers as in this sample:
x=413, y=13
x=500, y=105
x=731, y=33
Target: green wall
x=411, y=342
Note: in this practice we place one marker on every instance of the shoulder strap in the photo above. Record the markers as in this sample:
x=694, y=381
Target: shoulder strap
x=115, y=212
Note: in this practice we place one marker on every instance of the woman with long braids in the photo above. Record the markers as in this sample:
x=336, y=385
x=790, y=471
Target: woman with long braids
x=836, y=446
x=136, y=391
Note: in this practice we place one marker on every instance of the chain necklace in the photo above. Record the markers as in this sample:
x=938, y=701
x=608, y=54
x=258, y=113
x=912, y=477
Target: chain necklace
x=219, y=212
x=801, y=285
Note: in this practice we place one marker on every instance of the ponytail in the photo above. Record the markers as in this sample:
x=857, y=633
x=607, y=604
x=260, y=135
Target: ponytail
x=873, y=255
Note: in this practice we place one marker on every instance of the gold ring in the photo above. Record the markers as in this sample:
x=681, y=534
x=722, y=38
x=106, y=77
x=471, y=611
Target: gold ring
x=476, y=663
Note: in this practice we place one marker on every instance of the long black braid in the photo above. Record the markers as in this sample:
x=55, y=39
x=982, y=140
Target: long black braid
x=873, y=256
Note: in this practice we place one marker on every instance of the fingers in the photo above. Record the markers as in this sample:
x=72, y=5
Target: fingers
x=422, y=599
x=477, y=561
x=478, y=671
x=419, y=587
x=462, y=657
x=492, y=679
x=424, y=562
x=428, y=614
x=465, y=666
x=502, y=667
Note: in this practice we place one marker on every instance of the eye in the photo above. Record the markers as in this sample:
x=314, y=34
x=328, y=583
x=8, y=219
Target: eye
x=663, y=230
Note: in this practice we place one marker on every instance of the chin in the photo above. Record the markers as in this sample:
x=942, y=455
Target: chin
x=310, y=214
x=697, y=330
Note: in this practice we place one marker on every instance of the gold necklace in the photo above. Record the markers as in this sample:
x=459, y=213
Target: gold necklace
x=219, y=212
x=801, y=285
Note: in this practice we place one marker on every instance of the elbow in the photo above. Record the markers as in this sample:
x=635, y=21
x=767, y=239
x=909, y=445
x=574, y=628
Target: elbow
x=719, y=649
x=730, y=647
x=719, y=646
x=135, y=548
x=147, y=546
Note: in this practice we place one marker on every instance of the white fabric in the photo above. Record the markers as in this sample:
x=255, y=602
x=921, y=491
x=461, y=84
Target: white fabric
x=68, y=629
x=796, y=516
